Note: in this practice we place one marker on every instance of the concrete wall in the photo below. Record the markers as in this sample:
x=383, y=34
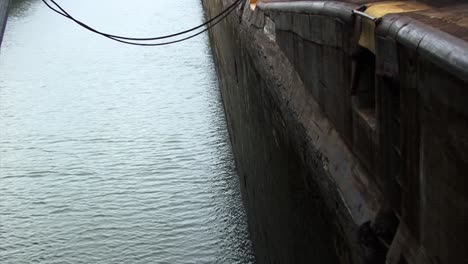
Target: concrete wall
x=432, y=75
x=345, y=155
x=282, y=140
x=3, y=17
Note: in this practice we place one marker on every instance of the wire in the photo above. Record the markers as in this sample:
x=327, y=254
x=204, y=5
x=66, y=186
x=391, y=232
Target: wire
x=66, y=14
x=218, y=18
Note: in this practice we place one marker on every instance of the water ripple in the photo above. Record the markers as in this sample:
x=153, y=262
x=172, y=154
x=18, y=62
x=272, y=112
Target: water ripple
x=109, y=153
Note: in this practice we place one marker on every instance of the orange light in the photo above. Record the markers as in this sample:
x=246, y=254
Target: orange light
x=253, y=3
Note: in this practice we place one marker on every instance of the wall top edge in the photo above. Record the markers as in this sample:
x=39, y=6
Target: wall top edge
x=445, y=50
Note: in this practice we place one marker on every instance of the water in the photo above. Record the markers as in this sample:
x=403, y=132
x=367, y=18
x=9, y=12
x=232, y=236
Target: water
x=112, y=153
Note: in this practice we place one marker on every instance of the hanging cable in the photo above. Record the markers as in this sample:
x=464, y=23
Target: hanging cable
x=210, y=23
x=64, y=13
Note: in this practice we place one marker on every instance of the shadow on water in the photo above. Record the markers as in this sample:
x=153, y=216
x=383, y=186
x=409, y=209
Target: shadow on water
x=227, y=186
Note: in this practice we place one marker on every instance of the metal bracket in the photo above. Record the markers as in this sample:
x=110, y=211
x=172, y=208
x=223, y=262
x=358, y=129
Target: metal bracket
x=367, y=25
x=364, y=15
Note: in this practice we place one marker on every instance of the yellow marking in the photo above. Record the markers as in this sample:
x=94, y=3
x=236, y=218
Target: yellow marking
x=367, y=39
x=383, y=8
x=378, y=10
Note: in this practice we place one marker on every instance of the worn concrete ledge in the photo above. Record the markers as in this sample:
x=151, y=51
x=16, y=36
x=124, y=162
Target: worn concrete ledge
x=340, y=10
x=445, y=50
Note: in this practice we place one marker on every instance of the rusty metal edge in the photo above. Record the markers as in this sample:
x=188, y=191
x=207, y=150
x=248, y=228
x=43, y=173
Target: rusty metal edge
x=3, y=17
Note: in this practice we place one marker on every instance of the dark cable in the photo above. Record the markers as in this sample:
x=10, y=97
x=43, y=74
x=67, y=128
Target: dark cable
x=121, y=39
x=155, y=44
x=174, y=41
x=142, y=39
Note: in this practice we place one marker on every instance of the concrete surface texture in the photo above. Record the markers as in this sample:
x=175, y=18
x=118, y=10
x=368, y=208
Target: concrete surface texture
x=3, y=17
x=349, y=151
